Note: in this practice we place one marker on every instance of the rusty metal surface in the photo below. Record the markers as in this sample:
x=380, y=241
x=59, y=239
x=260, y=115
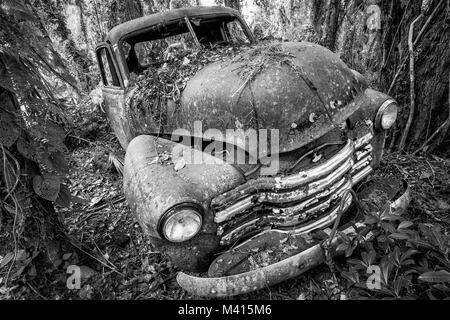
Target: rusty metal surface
x=139, y=24
x=114, y=99
x=302, y=106
x=273, y=273
x=152, y=186
x=261, y=250
x=252, y=280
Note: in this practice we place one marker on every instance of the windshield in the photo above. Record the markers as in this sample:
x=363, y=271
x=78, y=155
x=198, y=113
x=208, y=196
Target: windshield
x=160, y=44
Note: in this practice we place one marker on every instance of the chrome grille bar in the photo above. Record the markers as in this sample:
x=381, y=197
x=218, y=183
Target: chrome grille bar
x=313, y=192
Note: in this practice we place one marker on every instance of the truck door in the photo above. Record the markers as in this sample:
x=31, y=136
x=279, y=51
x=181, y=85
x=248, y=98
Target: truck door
x=113, y=93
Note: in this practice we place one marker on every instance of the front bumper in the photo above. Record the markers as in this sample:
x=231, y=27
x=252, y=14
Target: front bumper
x=277, y=272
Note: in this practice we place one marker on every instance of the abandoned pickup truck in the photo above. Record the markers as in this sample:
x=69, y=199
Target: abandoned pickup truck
x=239, y=153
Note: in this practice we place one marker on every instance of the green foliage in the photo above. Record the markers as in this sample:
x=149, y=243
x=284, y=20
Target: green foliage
x=413, y=259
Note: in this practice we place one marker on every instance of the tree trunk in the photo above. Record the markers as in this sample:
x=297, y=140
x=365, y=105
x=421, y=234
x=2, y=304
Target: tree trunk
x=235, y=4
x=124, y=10
x=332, y=24
x=432, y=73
x=52, y=17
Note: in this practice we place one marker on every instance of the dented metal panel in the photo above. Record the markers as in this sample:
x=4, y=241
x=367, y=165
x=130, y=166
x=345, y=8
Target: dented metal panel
x=153, y=186
x=114, y=99
x=304, y=98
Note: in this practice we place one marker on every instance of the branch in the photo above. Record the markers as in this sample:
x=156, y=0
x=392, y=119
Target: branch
x=412, y=95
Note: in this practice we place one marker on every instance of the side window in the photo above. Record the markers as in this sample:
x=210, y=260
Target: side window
x=236, y=32
x=109, y=75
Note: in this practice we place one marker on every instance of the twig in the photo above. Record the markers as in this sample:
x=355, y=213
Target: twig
x=422, y=30
x=10, y=191
x=82, y=139
x=445, y=124
x=98, y=208
x=412, y=93
x=13, y=261
x=339, y=216
x=103, y=255
x=97, y=259
x=37, y=292
x=17, y=207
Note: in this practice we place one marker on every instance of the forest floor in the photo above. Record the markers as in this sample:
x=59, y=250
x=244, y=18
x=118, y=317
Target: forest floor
x=117, y=261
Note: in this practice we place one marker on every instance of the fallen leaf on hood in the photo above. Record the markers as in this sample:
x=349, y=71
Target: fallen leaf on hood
x=317, y=157
x=186, y=61
x=180, y=164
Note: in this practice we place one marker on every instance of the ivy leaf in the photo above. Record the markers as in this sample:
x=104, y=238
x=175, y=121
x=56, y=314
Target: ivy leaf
x=26, y=149
x=58, y=162
x=47, y=186
x=64, y=196
x=399, y=236
x=350, y=249
x=342, y=246
x=435, y=276
x=408, y=254
x=405, y=225
x=9, y=130
x=55, y=135
x=388, y=227
x=351, y=276
x=391, y=217
x=6, y=259
x=369, y=219
x=368, y=258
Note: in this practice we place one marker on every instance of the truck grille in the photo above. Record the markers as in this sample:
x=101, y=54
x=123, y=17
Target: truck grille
x=298, y=203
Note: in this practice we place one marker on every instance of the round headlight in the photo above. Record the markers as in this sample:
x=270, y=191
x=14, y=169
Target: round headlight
x=386, y=115
x=181, y=224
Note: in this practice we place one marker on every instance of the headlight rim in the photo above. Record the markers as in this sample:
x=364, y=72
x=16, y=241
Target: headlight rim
x=380, y=112
x=198, y=209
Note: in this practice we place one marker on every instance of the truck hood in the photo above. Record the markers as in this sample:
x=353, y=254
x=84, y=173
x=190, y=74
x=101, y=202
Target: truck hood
x=303, y=96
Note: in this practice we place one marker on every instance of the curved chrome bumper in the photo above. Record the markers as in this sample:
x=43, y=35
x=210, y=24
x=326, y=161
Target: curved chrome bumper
x=274, y=273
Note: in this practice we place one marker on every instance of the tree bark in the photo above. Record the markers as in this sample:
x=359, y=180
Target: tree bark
x=122, y=11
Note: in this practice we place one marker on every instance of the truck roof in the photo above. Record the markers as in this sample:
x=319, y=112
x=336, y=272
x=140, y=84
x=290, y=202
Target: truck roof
x=116, y=33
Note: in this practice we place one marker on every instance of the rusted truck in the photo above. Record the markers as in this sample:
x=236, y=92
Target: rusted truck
x=246, y=217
